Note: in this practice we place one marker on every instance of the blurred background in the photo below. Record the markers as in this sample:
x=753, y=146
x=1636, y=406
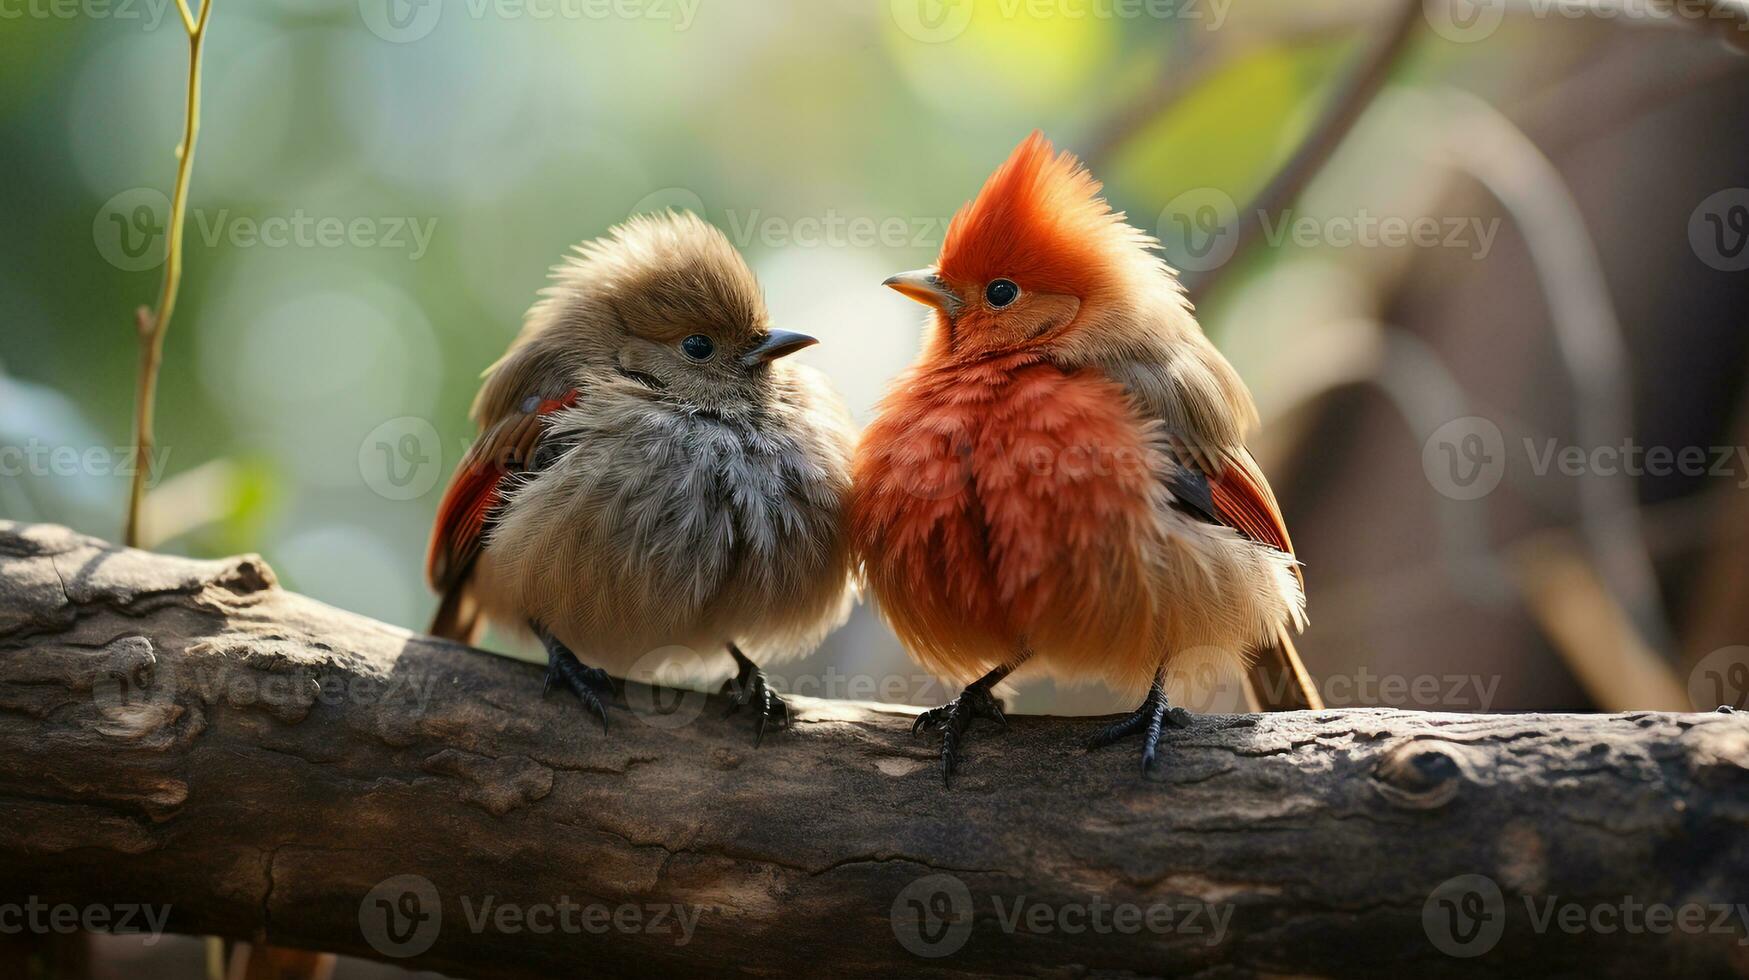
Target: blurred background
x=1493, y=307
x=1493, y=310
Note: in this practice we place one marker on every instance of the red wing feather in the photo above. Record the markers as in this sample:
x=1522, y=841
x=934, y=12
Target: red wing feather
x=477, y=488
x=461, y=521
x=1244, y=501
x=1278, y=678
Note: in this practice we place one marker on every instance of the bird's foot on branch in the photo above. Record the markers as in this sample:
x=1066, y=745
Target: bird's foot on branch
x=749, y=687
x=592, y=685
x=1149, y=720
x=954, y=718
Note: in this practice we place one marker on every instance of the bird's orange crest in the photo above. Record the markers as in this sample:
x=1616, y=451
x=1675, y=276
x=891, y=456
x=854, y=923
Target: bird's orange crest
x=1039, y=220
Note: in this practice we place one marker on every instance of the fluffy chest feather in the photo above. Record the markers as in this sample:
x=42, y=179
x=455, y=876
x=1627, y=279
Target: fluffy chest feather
x=657, y=525
x=995, y=495
x=691, y=498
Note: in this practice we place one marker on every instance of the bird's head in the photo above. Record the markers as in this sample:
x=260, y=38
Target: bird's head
x=667, y=302
x=1037, y=254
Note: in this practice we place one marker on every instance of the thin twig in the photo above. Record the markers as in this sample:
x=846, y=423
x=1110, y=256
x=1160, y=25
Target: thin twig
x=1341, y=113
x=152, y=325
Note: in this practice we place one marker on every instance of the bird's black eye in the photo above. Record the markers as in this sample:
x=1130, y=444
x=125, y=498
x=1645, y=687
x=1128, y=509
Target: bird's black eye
x=1001, y=292
x=698, y=347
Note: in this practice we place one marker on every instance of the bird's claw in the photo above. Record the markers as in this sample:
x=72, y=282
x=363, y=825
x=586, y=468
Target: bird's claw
x=1149, y=720
x=592, y=685
x=749, y=687
x=954, y=719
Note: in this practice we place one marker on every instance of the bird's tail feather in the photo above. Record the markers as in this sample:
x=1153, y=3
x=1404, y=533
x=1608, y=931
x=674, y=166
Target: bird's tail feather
x=1278, y=680
x=458, y=616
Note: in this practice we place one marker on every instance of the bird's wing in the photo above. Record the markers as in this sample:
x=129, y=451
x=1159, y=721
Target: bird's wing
x=506, y=447
x=1205, y=409
x=1217, y=479
x=1238, y=496
x=1235, y=494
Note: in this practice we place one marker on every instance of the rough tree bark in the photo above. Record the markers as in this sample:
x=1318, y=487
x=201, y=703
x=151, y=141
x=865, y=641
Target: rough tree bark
x=186, y=733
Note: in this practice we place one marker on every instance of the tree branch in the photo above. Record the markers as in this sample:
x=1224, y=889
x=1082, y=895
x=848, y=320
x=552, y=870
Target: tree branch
x=186, y=733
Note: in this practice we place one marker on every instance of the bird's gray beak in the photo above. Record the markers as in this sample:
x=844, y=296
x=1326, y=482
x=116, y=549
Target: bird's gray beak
x=925, y=286
x=776, y=344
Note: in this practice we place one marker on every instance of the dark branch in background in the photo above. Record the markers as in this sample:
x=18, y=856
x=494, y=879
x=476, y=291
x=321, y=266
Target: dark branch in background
x=1185, y=70
x=152, y=325
x=185, y=733
x=1344, y=109
x=1184, y=73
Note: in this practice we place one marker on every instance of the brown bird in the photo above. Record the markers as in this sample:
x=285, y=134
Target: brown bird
x=1062, y=477
x=649, y=474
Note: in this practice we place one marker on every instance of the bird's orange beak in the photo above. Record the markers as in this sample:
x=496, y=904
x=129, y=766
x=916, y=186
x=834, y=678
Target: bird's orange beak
x=925, y=286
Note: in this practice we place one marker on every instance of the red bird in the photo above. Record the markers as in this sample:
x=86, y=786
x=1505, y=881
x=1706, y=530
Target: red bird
x=1061, y=478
